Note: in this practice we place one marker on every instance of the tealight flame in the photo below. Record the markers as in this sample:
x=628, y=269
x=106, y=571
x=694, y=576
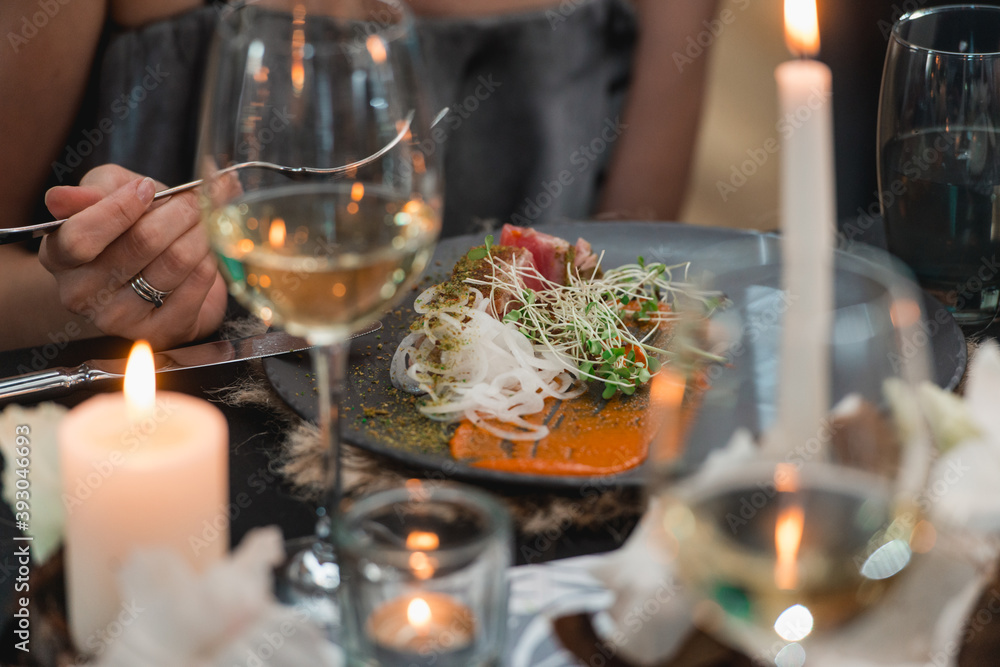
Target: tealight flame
x=421, y=565
x=276, y=234
x=418, y=613
x=140, y=383
x=787, y=539
x=802, y=27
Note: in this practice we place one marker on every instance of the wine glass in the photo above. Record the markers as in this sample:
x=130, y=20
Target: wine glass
x=321, y=198
x=783, y=537
x=939, y=155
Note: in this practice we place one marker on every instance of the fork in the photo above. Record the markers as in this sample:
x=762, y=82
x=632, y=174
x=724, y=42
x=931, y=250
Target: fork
x=16, y=234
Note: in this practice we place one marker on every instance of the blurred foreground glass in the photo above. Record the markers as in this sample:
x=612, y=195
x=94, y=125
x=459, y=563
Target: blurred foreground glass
x=425, y=577
x=317, y=249
x=939, y=155
x=781, y=541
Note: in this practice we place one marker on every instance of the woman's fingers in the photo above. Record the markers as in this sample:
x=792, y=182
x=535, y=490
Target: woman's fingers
x=177, y=261
x=152, y=241
x=108, y=177
x=88, y=233
x=152, y=236
x=195, y=308
x=66, y=200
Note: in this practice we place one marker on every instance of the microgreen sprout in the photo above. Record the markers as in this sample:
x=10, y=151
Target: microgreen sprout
x=482, y=251
x=591, y=323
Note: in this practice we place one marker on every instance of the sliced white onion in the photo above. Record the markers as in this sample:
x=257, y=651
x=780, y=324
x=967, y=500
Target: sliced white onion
x=473, y=366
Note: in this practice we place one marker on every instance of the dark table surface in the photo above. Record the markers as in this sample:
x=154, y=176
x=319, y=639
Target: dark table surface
x=254, y=440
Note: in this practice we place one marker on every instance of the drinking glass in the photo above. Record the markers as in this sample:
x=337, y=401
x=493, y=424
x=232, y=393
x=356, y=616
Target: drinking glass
x=783, y=537
x=939, y=165
x=343, y=217
x=425, y=577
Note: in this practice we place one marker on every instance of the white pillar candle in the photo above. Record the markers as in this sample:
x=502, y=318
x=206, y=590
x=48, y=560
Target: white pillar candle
x=808, y=214
x=146, y=475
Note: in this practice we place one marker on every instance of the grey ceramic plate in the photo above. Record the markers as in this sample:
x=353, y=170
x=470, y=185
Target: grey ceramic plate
x=369, y=385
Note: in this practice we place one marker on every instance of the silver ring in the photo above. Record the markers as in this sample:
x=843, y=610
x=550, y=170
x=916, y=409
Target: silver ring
x=147, y=291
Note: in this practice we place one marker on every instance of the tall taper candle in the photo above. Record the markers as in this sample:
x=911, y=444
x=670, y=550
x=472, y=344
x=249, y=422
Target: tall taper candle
x=808, y=224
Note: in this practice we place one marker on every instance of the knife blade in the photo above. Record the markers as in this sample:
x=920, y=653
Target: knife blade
x=63, y=380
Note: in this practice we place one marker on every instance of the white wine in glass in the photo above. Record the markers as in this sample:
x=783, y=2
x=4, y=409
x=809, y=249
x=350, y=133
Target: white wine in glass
x=319, y=200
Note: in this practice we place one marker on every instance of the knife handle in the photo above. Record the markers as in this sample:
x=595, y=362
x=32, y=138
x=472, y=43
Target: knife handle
x=50, y=382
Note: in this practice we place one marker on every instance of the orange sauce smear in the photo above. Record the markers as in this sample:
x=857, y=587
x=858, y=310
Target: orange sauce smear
x=586, y=440
x=588, y=437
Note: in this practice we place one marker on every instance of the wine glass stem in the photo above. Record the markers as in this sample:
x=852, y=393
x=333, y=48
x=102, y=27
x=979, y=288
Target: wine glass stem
x=330, y=362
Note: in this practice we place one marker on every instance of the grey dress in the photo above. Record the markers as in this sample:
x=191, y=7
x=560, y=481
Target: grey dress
x=536, y=101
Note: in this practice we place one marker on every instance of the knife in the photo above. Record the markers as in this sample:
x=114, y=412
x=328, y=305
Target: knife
x=62, y=380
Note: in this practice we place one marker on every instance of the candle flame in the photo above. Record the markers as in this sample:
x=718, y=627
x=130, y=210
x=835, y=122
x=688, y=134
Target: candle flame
x=787, y=539
x=802, y=27
x=357, y=190
x=276, y=234
x=140, y=382
x=418, y=613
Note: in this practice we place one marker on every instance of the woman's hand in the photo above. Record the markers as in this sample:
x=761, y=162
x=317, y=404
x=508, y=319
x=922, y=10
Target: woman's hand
x=113, y=234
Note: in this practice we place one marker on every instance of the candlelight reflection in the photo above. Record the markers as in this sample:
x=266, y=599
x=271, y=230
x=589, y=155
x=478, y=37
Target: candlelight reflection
x=421, y=565
x=298, y=73
x=376, y=48
x=794, y=624
x=787, y=539
x=422, y=541
x=888, y=560
x=276, y=233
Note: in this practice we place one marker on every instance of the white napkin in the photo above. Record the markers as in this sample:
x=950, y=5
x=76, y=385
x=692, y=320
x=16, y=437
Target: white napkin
x=651, y=614
x=45, y=508
x=964, y=488
x=921, y=622
x=174, y=617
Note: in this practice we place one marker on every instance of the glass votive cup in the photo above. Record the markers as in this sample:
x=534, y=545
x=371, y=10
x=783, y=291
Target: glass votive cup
x=424, y=577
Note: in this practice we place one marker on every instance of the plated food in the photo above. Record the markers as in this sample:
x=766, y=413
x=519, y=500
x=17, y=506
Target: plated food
x=384, y=420
x=532, y=332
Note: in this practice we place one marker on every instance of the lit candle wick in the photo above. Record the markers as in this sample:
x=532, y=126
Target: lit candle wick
x=140, y=383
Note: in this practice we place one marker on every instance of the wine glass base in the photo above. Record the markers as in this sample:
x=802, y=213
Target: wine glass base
x=309, y=579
